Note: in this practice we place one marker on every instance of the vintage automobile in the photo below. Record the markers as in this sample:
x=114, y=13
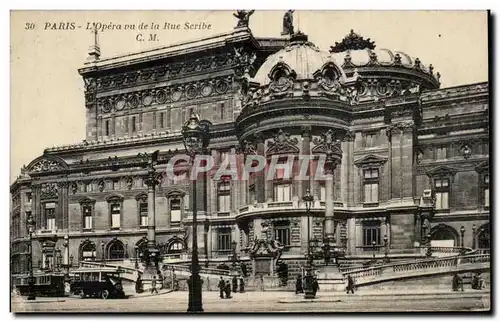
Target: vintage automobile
x=44, y=284
x=97, y=282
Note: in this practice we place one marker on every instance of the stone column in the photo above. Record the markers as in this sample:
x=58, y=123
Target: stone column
x=329, y=205
x=260, y=176
x=151, y=182
x=305, y=150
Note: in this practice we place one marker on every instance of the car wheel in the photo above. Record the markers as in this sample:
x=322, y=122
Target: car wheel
x=105, y=294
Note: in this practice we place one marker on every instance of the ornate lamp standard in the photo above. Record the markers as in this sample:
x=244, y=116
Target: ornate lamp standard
x=151, y=181
x=386, y=257
x=102, y=252
x=308, y=292
x=196, y=139
x=462, y=233
x=66, y=258
x=374, y=247
x=474, y=236
x=234, y=259
x=30, y=224
x=429, y=250
x=136, y=257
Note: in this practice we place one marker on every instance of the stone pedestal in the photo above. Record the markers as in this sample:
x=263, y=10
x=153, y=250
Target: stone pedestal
x=330, y=279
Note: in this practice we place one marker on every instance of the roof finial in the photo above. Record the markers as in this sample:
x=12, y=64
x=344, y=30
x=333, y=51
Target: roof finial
x=94, y=50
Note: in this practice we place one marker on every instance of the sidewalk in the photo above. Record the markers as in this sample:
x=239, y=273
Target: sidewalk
x=23, y=299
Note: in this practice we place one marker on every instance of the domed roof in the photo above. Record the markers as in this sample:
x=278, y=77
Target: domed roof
x=300, y=55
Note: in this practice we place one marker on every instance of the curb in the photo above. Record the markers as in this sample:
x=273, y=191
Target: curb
x=35, y=301
x=361, y=297
x=136, y=296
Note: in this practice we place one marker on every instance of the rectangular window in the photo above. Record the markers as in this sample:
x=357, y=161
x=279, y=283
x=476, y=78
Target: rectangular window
x=133, y=124
x=224, y=239
x=50, y=216
x=175, y=210
x=87, y=217
x=369, y=139
x=371, y=233
x=282, y=192
x=106, y=125
x=29, y=197
x=251, y=195
x=162, y=120
x=442, y=193
x=224, y=196
x=322, y=192
x=143, y=212
x=370, y=185
x=222, y=107
x=485, y=187
x=116, y=184
x=115, y=215
x=441, y=153
x=282, y=232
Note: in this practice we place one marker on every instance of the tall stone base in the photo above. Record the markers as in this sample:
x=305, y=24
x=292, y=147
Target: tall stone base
x=330, y=279
x=147, y=276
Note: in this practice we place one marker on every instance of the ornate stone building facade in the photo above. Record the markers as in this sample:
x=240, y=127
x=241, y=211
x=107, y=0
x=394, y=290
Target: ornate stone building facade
x=406, y=157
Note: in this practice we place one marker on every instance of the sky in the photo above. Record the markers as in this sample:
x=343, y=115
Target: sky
x=46, y=92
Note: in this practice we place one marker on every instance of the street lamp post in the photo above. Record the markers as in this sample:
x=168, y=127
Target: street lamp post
x=205, y=240
x=234, y=258
x=429, y=250
x=462, y=233
x=30, y=224
x=102, y=252
x=308, y=291
x=374, y=245
x=474, y=236
x=386, y=248
x=66, y=258
x=136, y=257
x=196, y=139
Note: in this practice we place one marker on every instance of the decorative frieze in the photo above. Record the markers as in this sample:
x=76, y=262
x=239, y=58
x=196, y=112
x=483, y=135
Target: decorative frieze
x=165, y=95
x=282, y=143
x=48, y=191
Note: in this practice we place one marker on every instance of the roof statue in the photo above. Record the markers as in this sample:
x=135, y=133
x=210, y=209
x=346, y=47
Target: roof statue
x=243, y=17
x=352, y=41
x=288, y=23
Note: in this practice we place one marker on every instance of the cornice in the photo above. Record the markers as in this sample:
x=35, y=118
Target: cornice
x=456, y=92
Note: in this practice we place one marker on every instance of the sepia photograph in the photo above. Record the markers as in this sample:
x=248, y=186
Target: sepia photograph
x=249, y=161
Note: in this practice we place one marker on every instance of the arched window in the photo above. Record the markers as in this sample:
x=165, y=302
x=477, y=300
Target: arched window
x=141, y=245
x=116, y=250
x=444, y=236
x=88, y=251
x=175, y=247
x=483, y=238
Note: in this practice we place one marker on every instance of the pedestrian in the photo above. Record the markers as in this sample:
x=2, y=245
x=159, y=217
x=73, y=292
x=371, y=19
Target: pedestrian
x=350, y=284
x=138, y=284
x=481, y=282
x=227, y=289
x=221, y=286
x=475, y=282
x=457, y=283
x=315, y=286
x=235, y=284
x=153, y=286
x=242, y=285
x=298, y=285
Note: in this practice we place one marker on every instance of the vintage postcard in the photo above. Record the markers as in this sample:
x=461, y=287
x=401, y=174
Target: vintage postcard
x=250, y=161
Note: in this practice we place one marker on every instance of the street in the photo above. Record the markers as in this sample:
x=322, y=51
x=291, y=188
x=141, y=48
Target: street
x=269, y=302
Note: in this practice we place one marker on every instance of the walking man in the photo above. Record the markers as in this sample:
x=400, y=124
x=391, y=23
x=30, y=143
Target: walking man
x=350, y=284
x=242, y=285
x=298, y=285
x=227, y=289
x=221, y=286
x=153, y=286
